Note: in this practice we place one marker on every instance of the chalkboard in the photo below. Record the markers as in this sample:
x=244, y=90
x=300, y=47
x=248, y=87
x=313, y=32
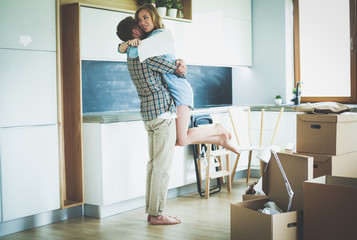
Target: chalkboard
x=212, y=86
x=107, y=86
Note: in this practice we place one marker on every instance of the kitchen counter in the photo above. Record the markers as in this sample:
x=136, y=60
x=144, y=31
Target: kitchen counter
x=125, y=116
x=128, y=116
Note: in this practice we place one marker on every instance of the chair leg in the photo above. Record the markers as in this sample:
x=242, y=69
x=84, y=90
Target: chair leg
x=229, y=184
x=235, y=167
x=208, y=173
x=248, y=171
x=207, y=187
x=229, y=180
x=199, y=162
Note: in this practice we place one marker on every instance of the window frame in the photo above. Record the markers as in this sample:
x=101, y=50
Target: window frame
x=353, y=56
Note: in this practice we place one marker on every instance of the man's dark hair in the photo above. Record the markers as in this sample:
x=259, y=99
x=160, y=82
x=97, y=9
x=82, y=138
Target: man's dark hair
x=125, y=29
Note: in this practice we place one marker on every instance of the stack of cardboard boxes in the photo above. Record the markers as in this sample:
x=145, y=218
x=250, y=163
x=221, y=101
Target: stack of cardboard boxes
x=332, y=140
x=323, y=207
x=330, y=209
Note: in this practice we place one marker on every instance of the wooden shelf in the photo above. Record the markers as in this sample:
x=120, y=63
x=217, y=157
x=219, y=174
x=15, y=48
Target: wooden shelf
x=129, y=6
x=70, y=89
x=72, y=193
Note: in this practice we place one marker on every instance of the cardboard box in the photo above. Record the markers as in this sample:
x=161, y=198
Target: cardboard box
x=344, y=165
x=246, y=197
x=331, y=134
x=330, y=209
x=248, y=223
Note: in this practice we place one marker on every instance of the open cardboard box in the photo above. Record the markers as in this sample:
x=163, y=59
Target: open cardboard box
x=344, y=165
x=248, y=223
x=246, y=197
x=330, y=209
x=332, y=134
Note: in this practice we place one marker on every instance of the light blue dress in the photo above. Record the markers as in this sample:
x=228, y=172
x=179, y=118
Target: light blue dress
x=179, y=88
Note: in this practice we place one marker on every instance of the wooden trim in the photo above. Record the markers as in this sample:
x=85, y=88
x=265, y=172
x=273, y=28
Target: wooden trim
x=187, y=9
x=60, y=106
x=296, y=42
x=327, y=99
x=128, y=6
x=353, y=36
x=72, y=104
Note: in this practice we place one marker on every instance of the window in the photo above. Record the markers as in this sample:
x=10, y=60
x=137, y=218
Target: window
x=325, y=55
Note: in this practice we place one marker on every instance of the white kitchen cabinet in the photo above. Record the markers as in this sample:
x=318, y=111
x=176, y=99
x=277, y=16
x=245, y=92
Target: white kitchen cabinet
x=115, y=157
x=178, y=30
x=29, y=170
x=218, y=35
x=28, y=90
x=28, y=24
x=98, y=34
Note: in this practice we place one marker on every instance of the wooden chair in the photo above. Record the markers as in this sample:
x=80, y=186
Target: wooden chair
x=215, y=168
x=214, y=161
x=235, y=114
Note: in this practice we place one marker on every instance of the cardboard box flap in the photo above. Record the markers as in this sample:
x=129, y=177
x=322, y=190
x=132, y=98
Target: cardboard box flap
x=335, y=181
x=298, y=168
x=254, y=205
x=333, y=118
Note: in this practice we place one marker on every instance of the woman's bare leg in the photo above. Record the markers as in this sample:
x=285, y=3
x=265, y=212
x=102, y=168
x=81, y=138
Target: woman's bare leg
x=221, y=140
x=216, y=135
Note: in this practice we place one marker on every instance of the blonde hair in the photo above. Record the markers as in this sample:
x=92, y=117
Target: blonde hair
x=156, y=18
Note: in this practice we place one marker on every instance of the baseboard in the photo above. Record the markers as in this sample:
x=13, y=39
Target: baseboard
x=124, y=206
x=39, y=220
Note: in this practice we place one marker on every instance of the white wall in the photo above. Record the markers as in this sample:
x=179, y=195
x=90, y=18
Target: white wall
x=266, y=78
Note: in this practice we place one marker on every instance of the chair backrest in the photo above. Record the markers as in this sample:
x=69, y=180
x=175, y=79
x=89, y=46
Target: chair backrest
x=240, y=123
x=241, y=116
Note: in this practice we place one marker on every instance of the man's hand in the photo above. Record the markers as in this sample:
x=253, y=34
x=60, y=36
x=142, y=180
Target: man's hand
x=133, y=42
x=181, y=67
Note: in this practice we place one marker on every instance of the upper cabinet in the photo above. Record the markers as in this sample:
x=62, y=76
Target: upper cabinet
x=28, y=24
x=217, y=35
x=96, y=23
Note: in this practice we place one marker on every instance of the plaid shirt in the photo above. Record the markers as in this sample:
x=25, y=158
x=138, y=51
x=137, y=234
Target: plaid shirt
x=153, y=93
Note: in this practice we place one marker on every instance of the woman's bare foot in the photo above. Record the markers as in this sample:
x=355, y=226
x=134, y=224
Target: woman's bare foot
x=226, y=143
x=163, y=220
x=222, y=130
